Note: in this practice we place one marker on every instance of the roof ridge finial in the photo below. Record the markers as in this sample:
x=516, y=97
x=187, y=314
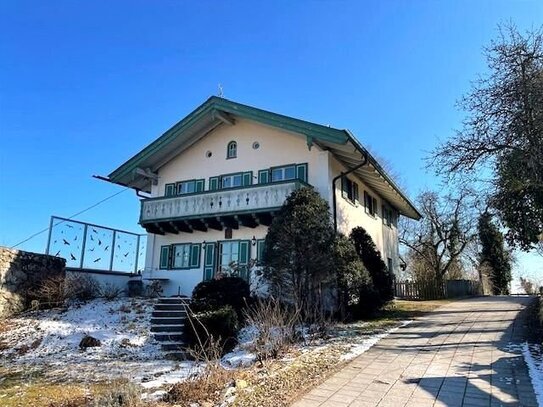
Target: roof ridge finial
x=220, y=92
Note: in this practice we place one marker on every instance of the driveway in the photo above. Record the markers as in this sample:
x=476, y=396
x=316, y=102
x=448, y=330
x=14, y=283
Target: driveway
x=463, y=354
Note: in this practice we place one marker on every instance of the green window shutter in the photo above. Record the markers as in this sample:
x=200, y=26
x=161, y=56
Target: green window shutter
x=355, y=192
x=244, y=256
x=344, y=192
x=200, y=185
x=209, y=261
x=164, y=257
x=194, y=256
x=301, y=172
x=260, y=250
x=263, y=176
x=170, y=190
x=213, y=183
x=247, y=178
x=374, y=206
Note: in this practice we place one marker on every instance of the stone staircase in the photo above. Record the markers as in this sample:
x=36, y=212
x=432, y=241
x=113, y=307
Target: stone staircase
x=167, y=324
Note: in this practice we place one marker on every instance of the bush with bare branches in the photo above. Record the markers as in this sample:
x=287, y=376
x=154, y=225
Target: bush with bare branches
x=275, y=324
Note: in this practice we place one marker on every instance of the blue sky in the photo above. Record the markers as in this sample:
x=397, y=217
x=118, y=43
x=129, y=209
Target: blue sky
x=85, y=85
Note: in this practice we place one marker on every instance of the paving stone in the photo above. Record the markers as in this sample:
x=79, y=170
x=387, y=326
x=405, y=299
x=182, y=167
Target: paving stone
x=458, y=355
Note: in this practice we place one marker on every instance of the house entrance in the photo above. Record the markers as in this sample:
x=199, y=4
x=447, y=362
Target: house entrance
x=230, y=257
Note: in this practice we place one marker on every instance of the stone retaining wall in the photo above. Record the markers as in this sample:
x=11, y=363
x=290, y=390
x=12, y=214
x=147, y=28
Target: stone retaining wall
x=21, y=273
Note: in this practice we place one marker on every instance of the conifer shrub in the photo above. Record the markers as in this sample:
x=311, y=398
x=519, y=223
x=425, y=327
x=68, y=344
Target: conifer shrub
x=217, y=325
x=382, y=278
x=218, y=293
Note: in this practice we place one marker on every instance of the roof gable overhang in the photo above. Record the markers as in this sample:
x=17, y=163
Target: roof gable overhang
x=139, y=171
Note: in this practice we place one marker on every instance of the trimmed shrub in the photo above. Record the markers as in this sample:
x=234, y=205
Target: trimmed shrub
x=381, y=277
x=206, y=327
x=218, y=293
x=356, y=294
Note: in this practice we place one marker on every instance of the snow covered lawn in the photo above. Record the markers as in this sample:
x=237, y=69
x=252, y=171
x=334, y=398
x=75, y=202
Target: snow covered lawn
x=42, y=347
x=47, y=342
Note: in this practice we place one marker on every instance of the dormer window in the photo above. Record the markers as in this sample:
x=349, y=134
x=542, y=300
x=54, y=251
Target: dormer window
x=232, y=150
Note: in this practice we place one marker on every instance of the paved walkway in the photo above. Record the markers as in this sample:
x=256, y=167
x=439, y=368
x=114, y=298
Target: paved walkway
x=463, y=354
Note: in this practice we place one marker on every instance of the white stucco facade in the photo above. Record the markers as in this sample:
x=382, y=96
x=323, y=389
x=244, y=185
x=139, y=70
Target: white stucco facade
x=208, y=158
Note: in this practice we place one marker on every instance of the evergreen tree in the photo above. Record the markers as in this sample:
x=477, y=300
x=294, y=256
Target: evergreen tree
x=355, y=292
x=494, y=256
x=382, y=278
x=299, y=251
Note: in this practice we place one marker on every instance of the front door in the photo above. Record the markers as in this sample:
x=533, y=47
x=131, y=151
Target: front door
x=234, y=257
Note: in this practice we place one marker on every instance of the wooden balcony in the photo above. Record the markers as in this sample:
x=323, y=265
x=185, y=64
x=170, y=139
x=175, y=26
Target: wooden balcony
x=226, y=208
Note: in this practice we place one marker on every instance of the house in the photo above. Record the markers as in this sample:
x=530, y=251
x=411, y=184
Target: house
x=216, y=179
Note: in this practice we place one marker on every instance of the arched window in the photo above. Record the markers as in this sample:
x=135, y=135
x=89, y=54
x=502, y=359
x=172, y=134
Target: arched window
x=232, y=150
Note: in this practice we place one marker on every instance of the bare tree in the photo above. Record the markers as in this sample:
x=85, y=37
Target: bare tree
x=501, y=140
x=438, y=242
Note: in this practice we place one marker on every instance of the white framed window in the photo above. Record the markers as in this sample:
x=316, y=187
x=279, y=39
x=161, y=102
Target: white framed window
x=181, y=256
x=186, y=187
x=229, y=255
x=388, y=215
x=232, y=150
x=370, y=204
x=283, y=173
x=232, y=180
x=349, y=189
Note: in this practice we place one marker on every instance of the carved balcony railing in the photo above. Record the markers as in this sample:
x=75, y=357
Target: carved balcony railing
x=217, y=205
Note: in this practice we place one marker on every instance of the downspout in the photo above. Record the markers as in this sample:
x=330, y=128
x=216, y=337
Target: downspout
x=340, y=176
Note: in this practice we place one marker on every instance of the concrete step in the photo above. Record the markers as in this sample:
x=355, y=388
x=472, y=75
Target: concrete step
x=173, y=300
x=167, y=328
x=169, y=336
x=169, y=307
x=173, y=346
x=161, y=314
x=167, y=320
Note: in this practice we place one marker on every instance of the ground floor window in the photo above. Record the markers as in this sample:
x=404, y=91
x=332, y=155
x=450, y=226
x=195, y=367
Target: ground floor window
x=180, y=256
x=229, y=255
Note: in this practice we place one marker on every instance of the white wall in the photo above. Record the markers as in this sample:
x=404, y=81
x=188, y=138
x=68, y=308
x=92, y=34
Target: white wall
x=276, y=148
x=351, y=215
x=119, y=281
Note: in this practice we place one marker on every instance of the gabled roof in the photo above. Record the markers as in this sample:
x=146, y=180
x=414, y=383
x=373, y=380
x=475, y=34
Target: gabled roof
x=217, y=111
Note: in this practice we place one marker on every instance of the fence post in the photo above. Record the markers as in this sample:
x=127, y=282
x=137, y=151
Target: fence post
x=112, y=251
x=83, y=245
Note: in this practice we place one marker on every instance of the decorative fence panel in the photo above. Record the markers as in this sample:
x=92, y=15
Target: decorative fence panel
x=92, y=247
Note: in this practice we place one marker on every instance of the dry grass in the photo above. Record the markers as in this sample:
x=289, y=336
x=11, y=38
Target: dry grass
x=30, y=389
x=278, y=384
x=206, y=388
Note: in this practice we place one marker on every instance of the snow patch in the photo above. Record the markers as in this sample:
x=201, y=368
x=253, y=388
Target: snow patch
x=366, y=344
x=535, y=369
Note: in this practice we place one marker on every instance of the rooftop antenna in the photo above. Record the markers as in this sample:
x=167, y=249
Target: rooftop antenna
x=220, y=92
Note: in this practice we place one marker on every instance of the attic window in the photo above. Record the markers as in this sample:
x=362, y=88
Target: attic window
x=232, y=150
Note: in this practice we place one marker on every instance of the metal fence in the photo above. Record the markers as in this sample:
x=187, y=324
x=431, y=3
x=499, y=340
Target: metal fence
x=94, y=247
x=431, y=290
